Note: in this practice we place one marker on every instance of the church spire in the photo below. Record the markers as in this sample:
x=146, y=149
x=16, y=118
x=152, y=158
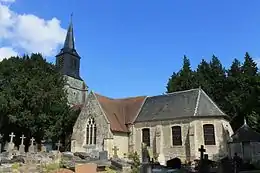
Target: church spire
x=69, y=41
x=68, y=60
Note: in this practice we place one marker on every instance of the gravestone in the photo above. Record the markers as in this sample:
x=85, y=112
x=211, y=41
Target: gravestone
x=11, y=143
x=146, y=166
x=202, y=150
x=115, y=149
x=43, y=147
x=6, y=146
x=48, y=145
x=1, y=137
x=237, y=162
x=58, y=145
x=21, y=146
x=174, y=163
x=204, y=165
x=103, y=155
x=32, y=147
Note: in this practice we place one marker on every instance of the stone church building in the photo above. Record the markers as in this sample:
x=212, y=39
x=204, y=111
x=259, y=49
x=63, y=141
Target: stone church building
x=171, y=125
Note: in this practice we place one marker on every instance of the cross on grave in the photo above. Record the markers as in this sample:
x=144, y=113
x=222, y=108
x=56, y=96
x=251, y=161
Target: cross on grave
x=32, y=140
x=58, y=145
x=12, y=136
x=115, y=149
x=22, y=139
x=202, y=150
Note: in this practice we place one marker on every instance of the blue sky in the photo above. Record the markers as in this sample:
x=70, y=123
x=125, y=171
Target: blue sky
x=131, y=48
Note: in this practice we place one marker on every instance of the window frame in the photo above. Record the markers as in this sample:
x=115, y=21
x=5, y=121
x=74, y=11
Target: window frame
x=173, y=136
x=208, y=134
x=147, y=139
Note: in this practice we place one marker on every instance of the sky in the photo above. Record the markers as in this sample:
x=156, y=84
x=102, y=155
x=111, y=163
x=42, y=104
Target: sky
x=131, y=48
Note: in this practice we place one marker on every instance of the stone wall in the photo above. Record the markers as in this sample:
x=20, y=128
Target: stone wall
x=120, y=140
x=76, y=89
x=90, y=109
x=192, y=137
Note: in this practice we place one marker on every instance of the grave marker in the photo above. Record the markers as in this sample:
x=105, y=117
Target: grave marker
x=58, y=145
x=21, y=146
x=31, y=147
x=11, y=143
x=202, y=150
x=1, y=137
x=115, y=149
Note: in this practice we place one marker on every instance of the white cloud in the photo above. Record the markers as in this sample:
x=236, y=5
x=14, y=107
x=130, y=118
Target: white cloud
x=7, y=1
x=29, y=33
x=7, y=52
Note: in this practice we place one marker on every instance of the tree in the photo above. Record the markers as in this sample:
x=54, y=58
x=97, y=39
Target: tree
x=32, y=98
x=235, y=90
x=183, y=80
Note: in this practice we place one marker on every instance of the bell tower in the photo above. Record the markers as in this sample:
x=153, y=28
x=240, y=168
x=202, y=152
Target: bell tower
x=68, y=62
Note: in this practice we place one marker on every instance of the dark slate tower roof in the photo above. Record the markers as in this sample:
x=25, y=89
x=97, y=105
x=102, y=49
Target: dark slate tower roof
x=68, y=60
x=245, y=134
x=189, y=103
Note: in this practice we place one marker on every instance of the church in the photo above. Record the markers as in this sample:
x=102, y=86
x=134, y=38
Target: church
x=171, y=125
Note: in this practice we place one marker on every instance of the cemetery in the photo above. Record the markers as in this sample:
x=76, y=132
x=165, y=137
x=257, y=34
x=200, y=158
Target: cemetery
x=49, y=160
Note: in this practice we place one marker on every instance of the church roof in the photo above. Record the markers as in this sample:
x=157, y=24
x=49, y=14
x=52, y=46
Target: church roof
x=188, y=103
x=120, y=112
x=245, y=134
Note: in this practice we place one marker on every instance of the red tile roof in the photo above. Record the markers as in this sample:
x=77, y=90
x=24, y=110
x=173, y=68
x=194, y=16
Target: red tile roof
x=120, y=112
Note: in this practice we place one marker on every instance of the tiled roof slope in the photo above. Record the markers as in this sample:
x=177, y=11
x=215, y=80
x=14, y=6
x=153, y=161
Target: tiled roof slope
x=120, y=112
x=194, y=102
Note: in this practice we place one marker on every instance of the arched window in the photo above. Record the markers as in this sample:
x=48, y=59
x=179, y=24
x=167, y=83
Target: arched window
x=146, y=136
x=176, y=135
x=91, y=132
x=209, y=134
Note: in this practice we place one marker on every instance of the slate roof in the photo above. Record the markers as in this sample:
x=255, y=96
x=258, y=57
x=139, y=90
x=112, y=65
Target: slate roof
x=188, y=103
x=120, y=112
x=245, y=134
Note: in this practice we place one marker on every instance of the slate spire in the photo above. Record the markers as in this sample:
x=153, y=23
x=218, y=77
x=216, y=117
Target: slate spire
x=68, y=60
x=69, y=41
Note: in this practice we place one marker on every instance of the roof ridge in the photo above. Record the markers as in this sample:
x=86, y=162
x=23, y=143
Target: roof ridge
x=183, y=91
x=197, y=102
x=126, y=98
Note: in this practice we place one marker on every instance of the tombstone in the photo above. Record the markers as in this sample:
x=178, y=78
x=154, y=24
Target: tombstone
x=48, y=145
x=205, y=165
x=6, y=146
x=32, y=147
x=174, y=163
x=146, y=166
x=237, y=162
x=145, y=154
x=58, y=145
x=21, y=146
x=1, y=137
x=202, y=150
x=115, y=149
x=11, y=143
x=103, y=155
x=43, y=147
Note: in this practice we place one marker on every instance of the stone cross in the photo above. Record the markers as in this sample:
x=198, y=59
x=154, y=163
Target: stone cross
x=202, y=150
x=12, y=136
x=58, y=145
x=32, y=140
x=115, y=149
x=22, y=139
